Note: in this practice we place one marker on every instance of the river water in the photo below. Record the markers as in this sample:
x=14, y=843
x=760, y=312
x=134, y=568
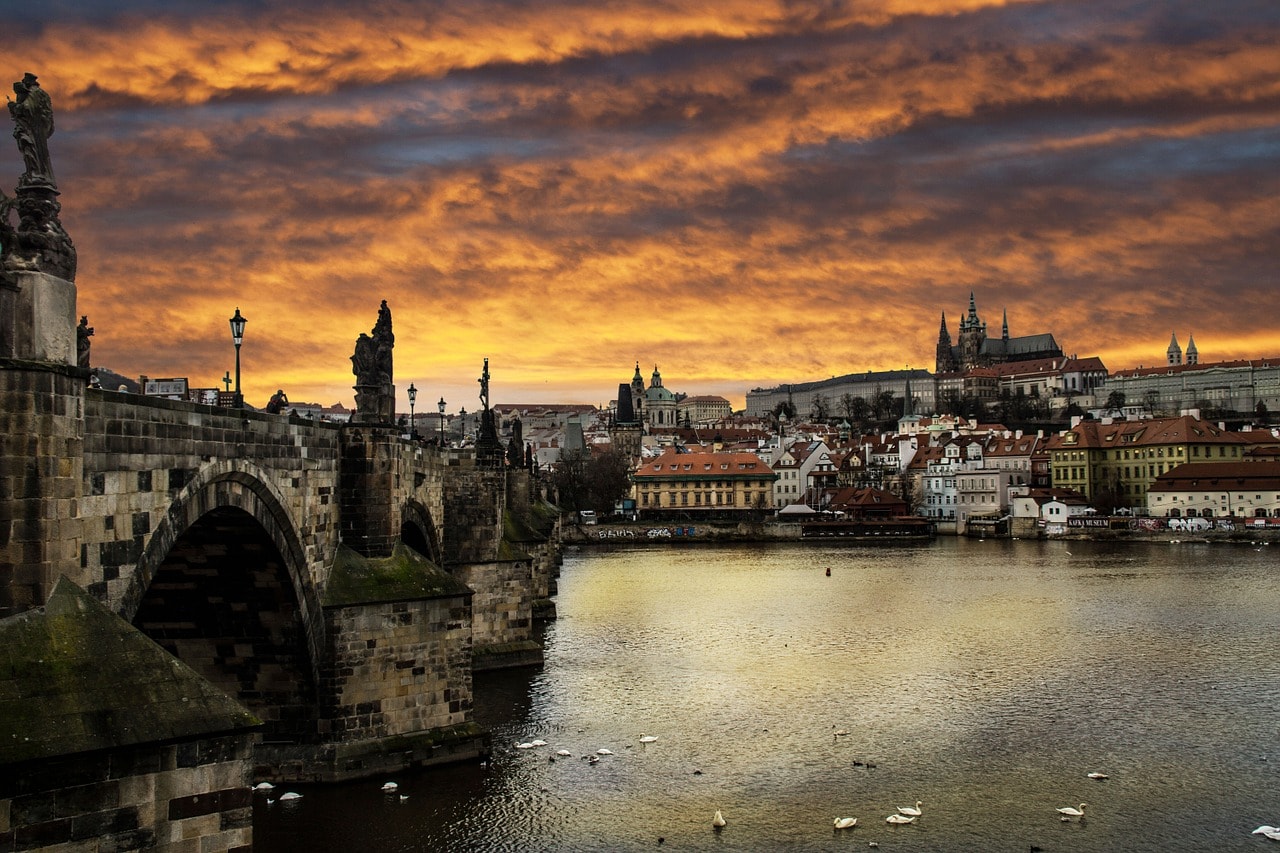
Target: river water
x=985, y=679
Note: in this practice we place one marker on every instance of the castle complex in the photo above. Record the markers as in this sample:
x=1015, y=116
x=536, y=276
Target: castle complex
x=975, y=349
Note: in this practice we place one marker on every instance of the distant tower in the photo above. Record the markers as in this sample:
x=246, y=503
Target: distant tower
x=946, y=359
x=1004, y=327
x=637, y=394
x=659, y=403
x=1174, y=352
x=973, y=334
x=626, y=432
x=1193, y=355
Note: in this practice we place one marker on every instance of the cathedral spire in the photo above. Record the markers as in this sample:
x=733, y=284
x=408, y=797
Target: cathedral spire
x=1174, y=352
x=1193, y=354
x=1004, y=329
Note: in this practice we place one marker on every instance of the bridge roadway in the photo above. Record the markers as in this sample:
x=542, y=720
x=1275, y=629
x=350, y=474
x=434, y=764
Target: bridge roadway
x=339, y=581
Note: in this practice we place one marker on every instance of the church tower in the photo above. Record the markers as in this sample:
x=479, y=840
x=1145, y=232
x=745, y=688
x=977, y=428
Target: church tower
x=1174, y=352
x=637, y=394
x=973, y=334
x=1193, y=354
x=945, y=361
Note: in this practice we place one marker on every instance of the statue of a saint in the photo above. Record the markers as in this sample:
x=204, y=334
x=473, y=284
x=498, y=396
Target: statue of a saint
x=484, y=387
x=364, y=363
x=83, y=332
x=32, y=126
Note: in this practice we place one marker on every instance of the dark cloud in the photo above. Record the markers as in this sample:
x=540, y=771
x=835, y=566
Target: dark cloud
x=772, y=193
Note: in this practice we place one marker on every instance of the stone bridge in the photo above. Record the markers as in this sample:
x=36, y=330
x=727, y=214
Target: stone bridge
x=193, y=596
x=342, y=582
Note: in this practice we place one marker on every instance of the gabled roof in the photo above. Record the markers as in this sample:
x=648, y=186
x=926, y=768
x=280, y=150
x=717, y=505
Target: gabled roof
x=1150, y=433
x=702, y=465
x=1211, y=476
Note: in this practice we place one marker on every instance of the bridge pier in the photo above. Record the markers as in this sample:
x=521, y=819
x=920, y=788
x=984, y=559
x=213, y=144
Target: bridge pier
x=41, y=437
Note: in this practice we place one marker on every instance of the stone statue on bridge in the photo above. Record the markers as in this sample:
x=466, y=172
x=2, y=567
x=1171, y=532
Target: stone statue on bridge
x=489, y=452
x=33, y=125
x=39, y=244
x=372, y=365
x=83, y=332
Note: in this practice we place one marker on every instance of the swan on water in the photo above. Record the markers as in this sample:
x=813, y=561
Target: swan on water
x=1098, y=776
x=911, y=811
x=604, y=752
x=390, y=787
x=648, y=738
x=898, y=818
x=1069, y=811
x=524, y=746
x=263, y=786
x=564, y=753
x=846, y=822
x=538, y=742
x=718, y=821
x=290, y=796
x=1264, y=829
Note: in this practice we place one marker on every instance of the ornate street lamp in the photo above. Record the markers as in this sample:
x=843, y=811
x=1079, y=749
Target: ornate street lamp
x=413, y=426
x=440, y=406
x=237, y=337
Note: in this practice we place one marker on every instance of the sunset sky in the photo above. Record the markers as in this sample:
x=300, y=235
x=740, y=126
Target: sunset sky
x=742, y=193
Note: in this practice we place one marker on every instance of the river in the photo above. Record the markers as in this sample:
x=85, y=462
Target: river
x=985, y=679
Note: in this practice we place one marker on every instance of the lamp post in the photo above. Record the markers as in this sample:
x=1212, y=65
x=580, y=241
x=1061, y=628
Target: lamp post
x=440, y=406
x=237, y=337
x=413, y=426
x=462, y=430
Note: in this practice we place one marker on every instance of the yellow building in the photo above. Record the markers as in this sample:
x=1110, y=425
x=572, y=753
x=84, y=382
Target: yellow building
x=706, y=483
x=1114, y=464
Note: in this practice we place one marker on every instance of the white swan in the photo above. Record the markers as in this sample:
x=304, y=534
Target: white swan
x=1097, y=775
x=1264, y=829
x=1069, y=811
x=390, y=787
x=898, y=818
x=263, y=786
x=911, y=811
x=604, y=752
x=718, y=821
x=564, y=753
x=846, y=822
x=648, y=738
x=538, y=742
x=290, y=796
x=524, y=746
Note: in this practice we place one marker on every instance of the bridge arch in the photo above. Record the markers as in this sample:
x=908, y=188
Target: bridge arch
x=224, y=584
x=419, y=532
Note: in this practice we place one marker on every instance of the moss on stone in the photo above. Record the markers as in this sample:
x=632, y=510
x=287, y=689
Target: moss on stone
x=404, y=576
x=396, y=744
x=74, y=677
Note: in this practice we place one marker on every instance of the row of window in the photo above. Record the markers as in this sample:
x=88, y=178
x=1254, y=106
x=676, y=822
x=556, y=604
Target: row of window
x=699, y=499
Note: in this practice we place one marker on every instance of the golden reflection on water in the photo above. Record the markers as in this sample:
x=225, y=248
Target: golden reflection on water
x=983, y=678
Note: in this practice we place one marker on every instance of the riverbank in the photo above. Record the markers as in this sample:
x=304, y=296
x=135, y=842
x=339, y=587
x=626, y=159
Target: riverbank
x=713, y=532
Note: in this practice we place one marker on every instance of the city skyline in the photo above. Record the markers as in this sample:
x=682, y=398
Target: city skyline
x=745, y=196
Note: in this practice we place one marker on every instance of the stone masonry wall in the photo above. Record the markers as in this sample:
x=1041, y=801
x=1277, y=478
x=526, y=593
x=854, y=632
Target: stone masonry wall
x=40, y=475
x=178, y=798
x=502, y=607
x=140, y=452
x=398, y=667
